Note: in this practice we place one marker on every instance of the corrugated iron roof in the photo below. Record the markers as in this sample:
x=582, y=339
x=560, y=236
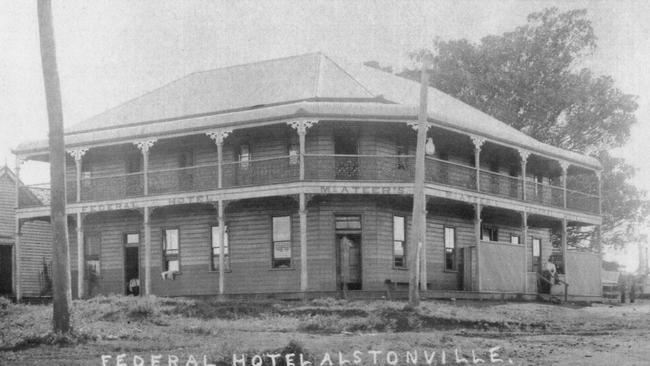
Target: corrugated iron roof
x=264, y=86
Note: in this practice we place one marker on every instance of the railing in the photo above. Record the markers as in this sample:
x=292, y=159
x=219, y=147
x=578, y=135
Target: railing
x=501, y=184
x=325, y=167
x=195, y=178
x=544, y=194
x=261, y=171
x=582, y=201
x=388, y=168
x=449, y=173
x=112, y=187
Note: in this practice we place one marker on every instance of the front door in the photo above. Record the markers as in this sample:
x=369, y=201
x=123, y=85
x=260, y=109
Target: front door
x=132, y=270
x=5, y=270
x=349, y=261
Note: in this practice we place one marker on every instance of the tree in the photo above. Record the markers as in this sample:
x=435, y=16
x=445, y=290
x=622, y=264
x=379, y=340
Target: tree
x=531, y=79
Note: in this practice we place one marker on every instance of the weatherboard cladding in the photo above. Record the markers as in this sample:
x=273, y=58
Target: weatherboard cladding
x=299, y=86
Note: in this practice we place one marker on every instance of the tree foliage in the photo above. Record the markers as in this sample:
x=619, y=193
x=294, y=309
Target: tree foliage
x=531, y=79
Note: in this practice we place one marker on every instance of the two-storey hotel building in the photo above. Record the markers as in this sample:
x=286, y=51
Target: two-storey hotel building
x=295, y=176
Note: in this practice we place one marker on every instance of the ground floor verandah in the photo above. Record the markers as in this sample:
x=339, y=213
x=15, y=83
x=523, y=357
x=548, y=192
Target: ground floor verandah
x=357, y=243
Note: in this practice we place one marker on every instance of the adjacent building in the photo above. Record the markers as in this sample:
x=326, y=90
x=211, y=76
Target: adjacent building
x=295, y=176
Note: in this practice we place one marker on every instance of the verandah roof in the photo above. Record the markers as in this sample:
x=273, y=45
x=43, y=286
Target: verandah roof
x=311, y=84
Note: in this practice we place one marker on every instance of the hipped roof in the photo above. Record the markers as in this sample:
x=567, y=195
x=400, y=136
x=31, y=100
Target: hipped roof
x=311, y=84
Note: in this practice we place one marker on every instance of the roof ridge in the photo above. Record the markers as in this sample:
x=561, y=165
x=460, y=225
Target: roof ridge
x=350, y=75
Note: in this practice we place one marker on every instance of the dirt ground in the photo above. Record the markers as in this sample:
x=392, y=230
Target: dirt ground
x=328, y=332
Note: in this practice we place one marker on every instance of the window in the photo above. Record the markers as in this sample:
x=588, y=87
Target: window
x=489, y=233
x=171, y=250
x=185, y=176
x=537, y=254
x=281, y=251
x=92, y=254
x=450, y=248
x=132, y=239
x=401, y=157
x=348, y=223
x=399, y=242
x=134, y=163
x=244, y=156
x=215, y=249
x=294, y=151
x=514, y=239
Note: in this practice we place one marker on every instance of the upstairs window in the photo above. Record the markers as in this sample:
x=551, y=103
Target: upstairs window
x=515, y=239
x=244, y=156
x=294, y=153
x=402, y=163
x=171, y=250
x=215, y=249
x=399, y=242
x=281, y=246
x=134, y=163
x=450, y=248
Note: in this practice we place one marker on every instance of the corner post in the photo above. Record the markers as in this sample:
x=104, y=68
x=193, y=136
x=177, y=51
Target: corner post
x=303, y=243
x=81, y=268
x=478, y=143
x=477, y=233
x=565, y=167
x=78, y=156
x=17, y=236
x=144, y=146
x=218, y=136
x=147, y=251
x=524, y=234
x=523, y=154
x=301, y=127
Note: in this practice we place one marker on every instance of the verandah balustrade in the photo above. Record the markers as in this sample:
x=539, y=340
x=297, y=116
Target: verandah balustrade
x=322, y=167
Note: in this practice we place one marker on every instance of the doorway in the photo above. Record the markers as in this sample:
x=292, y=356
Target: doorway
x=348, y=253
x=5, y=270
x=132, y=264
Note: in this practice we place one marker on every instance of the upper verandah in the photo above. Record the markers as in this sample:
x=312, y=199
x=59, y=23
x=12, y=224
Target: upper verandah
x=310, y=85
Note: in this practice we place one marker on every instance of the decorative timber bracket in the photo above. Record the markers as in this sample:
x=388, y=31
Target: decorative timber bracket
x=145, y=145
x=77, y=154
x=478, y=142
x=301, y=126
x=218, y=136
x=523, y=154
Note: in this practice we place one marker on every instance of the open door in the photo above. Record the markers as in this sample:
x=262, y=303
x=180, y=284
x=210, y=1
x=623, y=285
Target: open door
x=132, y=264
x=349, y=261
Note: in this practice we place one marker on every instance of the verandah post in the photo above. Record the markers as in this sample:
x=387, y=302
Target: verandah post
x=81, y=286
x=477, y=233
x=222, y=221
x=565, y=167
x=478, y=143
x=147, y=251
x=524, y=234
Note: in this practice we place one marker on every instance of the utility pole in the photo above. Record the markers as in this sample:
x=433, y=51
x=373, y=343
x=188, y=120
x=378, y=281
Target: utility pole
x=417, y=216
x=62, y=297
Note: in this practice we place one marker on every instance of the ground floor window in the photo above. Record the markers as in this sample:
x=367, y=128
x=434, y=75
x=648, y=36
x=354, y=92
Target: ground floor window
x=216, y=238
x=171, y=250
x=399, y=242
x=92, y=254
x=450, y=248
x=514, y=239
x=489, y=233
x=281, y=246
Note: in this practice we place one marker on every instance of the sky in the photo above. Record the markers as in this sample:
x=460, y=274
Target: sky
x=112, y=51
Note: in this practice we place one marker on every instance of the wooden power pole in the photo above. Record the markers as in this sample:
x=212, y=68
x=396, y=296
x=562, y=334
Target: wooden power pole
x=62, y=297
x=417, y=216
